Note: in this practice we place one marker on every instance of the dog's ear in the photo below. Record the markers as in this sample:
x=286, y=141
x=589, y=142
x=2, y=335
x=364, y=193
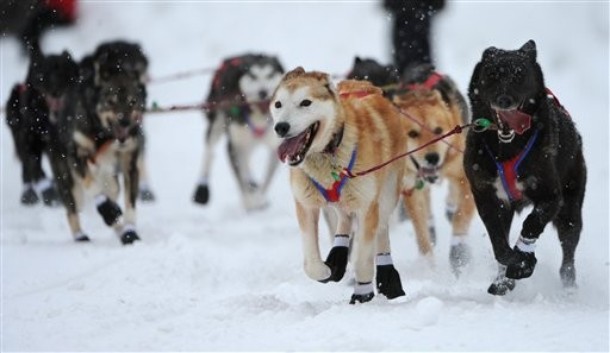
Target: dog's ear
x=298, y=71
x=473, y=88
x=529, y=49
x=66, y=55
x=490, y=53
x=357, y=60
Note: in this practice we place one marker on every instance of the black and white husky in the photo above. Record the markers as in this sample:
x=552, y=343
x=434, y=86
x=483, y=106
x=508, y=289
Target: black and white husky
x=238, y=105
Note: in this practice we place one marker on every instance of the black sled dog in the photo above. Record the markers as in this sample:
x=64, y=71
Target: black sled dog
x=101, y=135
x=32, y=114
x=531, y=155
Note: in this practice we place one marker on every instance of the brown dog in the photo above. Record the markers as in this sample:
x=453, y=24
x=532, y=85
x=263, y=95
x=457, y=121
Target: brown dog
x=326, y=131
x=427, y=115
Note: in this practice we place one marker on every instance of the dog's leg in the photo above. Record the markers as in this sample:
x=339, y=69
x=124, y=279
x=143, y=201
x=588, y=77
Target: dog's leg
x=240, y=149
x=497, y=217
x=430, y=217
x=338, y=255
x=216, y=121
x=387, y=278
x=312, y=261
x=569, y=226
x=145, y=193
x=548, y=199
x=107, y=188
x=452, y=200
x=32, y=169
x=332, y=221
x=364, y=267
x=129, y=165
x=68, y=191
x=501, y=284
x=272, y=165
x=417, y=207
x=459, y=254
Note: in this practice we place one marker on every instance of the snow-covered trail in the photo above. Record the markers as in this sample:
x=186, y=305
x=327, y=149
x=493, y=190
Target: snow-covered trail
x=217, y=278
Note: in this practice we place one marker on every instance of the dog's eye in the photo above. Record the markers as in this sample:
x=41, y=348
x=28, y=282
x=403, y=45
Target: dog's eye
x=413, y=134
x=278, y=105
x=438, y=130
x=305, y=103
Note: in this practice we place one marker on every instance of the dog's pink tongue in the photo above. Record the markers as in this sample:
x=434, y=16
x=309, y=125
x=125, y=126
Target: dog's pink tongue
x=516, y=120
x=290, y=147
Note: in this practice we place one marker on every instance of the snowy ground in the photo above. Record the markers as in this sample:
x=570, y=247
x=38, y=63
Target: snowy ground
x=217, y=278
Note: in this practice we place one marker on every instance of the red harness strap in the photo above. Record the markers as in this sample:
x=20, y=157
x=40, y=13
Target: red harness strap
x=355, y=94
x=430, y=82
x=551, y=95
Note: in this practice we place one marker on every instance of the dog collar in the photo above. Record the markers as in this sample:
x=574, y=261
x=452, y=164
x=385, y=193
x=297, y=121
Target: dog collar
x=508, y=170
x=333, y=194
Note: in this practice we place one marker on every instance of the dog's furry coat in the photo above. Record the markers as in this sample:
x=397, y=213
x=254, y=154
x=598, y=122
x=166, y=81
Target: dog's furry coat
x=508, y=88
x=323, y=130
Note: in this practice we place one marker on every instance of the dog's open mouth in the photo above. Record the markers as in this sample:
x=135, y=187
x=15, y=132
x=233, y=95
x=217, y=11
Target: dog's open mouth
x=426, y=172
x=430, y=174
x=515, y=120
x=293, y=149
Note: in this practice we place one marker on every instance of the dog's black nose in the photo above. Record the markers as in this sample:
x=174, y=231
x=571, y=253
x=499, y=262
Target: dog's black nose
x=262, y=95
x=282, y=129
x=432, y=158
x=124, y=122
x=504, y=101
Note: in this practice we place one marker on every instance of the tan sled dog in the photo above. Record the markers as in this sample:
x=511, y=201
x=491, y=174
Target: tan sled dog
x=426, y=117
x=324, y=130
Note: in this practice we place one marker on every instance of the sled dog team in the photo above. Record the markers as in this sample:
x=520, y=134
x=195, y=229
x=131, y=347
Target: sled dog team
x=355, y=149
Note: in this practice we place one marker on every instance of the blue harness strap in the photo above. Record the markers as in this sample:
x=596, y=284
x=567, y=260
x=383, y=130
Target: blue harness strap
x=333, y=194
x=509, y=169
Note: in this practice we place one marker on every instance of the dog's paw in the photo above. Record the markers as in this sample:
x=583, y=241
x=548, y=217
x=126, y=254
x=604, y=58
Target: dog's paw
x=501, y=286
x=524, y=265
x=388, y=282
x=337, y=262
x=50, y=197
x=459, y=257
x=81, y=238
x=202, y=194
x=318, y=271
x=363, y=292
x=109, y=210
x=255, y=200
x=146, y=195
x=29, y=197
x=567, y=272
x=129, y=236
